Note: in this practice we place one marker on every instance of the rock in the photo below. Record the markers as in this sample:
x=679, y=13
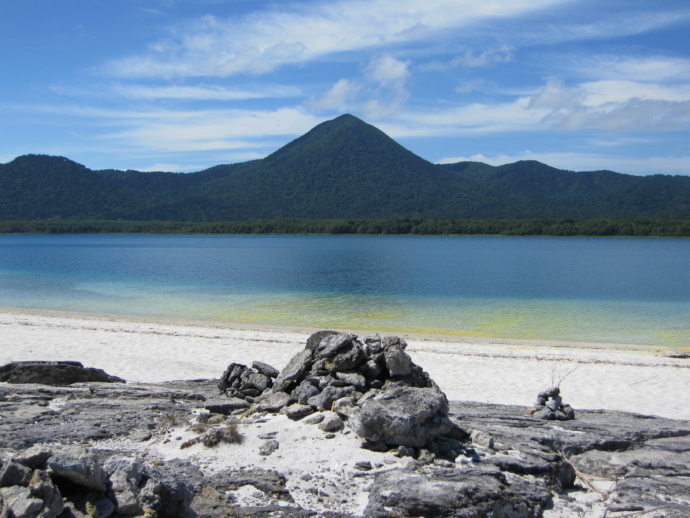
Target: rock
x=331, y=422
x=59, y=373
x=80, y=466
x=329, y=395
x=42, y=486
x=295, y=369
x=265, y=369
x=331, y=344
x=452, y=493
x=314, y=419
x=13, y=473
x=226, y=406
x=268, y=447
x=363, y=465
x=304, y=391
x=230, y=376
x=315, y=339
x=482, y=439
x=371, y=370
x=274, y=402
x=398, y=362
x=392, y=341
x=298, y=411
x=353, y=378
x=404, y=416
x=34, y=456
x=259, y=381
x=405, y=451
x=344, y=407
x=349, y=357
x=20, y=502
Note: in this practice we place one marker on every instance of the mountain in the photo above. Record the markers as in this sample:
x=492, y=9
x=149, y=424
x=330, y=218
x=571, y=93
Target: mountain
x=341, y=169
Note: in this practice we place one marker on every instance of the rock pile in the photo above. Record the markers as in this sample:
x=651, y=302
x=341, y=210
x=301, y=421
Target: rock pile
x=47, y=482
x=372, y=384
x=550, y=406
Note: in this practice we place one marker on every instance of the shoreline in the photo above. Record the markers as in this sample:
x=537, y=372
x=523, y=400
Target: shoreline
x=633, y=378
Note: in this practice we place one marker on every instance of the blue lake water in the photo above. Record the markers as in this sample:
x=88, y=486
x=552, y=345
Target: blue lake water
x=582, y=289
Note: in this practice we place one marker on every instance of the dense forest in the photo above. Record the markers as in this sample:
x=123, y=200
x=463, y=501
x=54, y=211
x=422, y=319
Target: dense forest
x=343, y=176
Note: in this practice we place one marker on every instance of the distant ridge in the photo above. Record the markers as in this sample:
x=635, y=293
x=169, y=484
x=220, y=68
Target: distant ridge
x=341, y=169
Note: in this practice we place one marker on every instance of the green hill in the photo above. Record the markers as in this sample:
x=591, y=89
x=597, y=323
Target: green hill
x=341, y=169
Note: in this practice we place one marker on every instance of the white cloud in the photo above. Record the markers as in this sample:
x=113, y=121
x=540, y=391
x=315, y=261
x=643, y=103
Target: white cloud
x=633, y=68
x=212, y=130
x=338, y=97
x=587, y=162
x=203, y=93
x=263, y=41
x=380, y=93
x=613, y=106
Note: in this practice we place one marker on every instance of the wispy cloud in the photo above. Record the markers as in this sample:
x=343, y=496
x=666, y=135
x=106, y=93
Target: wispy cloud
x=263, y=41
x=212, y=130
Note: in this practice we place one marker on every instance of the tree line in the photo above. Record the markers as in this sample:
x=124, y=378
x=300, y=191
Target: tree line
x=640, y=227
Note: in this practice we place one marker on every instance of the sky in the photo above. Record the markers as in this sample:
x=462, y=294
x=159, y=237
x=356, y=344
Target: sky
x=182, y=85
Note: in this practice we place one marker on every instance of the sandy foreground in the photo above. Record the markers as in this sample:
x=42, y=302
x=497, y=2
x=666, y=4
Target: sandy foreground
x=592, y=376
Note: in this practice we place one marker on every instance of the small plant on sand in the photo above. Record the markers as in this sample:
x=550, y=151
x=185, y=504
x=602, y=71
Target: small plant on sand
x=557, y=376
x=170, y=420
x=214, y=435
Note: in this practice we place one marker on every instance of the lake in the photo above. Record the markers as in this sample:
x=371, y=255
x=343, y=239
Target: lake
x=615, y=290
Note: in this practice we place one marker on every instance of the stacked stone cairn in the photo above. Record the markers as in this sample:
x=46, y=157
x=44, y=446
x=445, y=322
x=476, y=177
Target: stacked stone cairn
x=550, y=406
x=370, y=385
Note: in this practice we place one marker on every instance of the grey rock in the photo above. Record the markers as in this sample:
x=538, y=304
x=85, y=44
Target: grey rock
x=363, y=465
x=551, y=392
x=353, y=378
x=398, y=362
x=371, y=370
x=42, y=487
x=230, y=378
x=298, y=411
x=314, y=419
x=268, y=447
x=259, y=381
x=347, y=358
x=329, y=395
x=80, y=466
x=226, y=406
x=406, y=416
x=124, y=492
x=392, y=341
x=265, y=369
x=34, y=456
x=274, y=401
x=58, y=373
x=331, y=344
x=331, y=422
x=344, y=407
x=451, y=493
x=304, y=391
x=294, y=370
x=13, y=473
x=315, y=339
x=20, y=502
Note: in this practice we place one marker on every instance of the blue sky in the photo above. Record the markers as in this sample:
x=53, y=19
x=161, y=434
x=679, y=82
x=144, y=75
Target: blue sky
x=181, y=85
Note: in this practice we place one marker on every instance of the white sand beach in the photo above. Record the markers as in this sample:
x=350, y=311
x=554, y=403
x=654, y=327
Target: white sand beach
x=645, y=380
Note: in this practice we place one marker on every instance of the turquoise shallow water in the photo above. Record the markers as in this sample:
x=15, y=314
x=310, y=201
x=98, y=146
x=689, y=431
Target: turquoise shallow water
x=580, y=289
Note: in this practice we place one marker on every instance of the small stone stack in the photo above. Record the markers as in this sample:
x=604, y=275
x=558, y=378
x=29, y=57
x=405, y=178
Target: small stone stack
x=550, y=406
